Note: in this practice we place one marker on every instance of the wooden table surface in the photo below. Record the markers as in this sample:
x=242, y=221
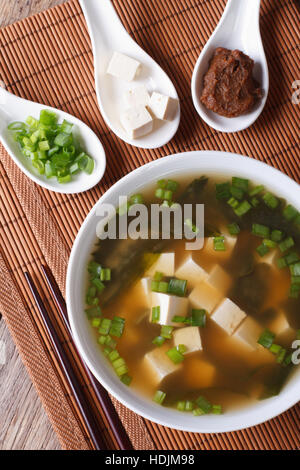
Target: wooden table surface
x=23, y=421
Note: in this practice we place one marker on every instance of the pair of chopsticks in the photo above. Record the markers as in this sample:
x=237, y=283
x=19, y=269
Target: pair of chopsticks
x=103, y=398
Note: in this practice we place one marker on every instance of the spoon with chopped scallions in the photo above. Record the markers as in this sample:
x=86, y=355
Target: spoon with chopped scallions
x=53, y=148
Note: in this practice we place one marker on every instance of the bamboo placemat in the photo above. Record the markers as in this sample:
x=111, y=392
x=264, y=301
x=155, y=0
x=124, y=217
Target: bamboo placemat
x=47, y=58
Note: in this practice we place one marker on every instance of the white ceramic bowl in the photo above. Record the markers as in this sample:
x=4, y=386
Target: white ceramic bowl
x=194, y=163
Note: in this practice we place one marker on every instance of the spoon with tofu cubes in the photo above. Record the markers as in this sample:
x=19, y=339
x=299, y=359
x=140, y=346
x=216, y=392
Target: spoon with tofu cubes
x=137, y=99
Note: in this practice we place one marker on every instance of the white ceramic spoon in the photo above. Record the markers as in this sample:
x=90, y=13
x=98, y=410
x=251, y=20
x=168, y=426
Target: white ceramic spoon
x=108, y=35
x=237, y=29
x=13, y=108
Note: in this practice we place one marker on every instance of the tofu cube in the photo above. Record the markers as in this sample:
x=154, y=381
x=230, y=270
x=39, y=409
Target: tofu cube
x=162, y=106
x=137, y=96
x=229, y=243
x=191, y=271
x=165, y=264
x=170, y=305
x=228, y=316
x=145, y=285
x=281, y=327
x=159, y=365
x=199, y=373
x=190, y=337
x=205, y=296
x=137, y=121
x=219, y=279
x=248, y=333
x=124, y=67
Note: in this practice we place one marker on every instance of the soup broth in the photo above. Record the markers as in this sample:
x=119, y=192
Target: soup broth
x=249, y=300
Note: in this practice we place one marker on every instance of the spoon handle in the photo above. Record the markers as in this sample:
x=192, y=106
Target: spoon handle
x=240, y=17
x=102, y=18
x=5, y=104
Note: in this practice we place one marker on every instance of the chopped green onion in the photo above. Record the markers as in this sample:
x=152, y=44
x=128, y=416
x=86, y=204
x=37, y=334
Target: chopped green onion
x=270, y=200
x=159, y=193
x=266, y=338
x=294, y=291
x=242, y=208
x=240, y=183
x=158, y=276
x=180, y=405
x=168, y=184
x=164, y=194
x=198, y=317
x=102, y=339
x=275, y=348
x=254, y=201
x=286, y=244
x=136, y=199
x=179, y=319
x=105, y=274
x=233, y=228
x=237, y=192
x=155, y=314
x=126, y=379
x=203, y=404
x=166, y=331
x=49, y=118
x=223, y=191
x=66, y=127
x=255, y=191
x=269, y=243
x=216, y=409
x=159, y=397
x=117, y=326
x=287, y=359
x=98, y=284
x=295, y=279
x=122, y=370
x=219, y=244
x=281, y=263
x=64, y=179
x=276, y=235
x=177, y=287
x=96, y=322
x=262, y=250
x=105, y=326
x=89, y=167
x=234, y=203
x=17, y=125
x=159, y=340
x=198, y=412
x=93, y=312
x=94, y=268
x=181, y=348
x=159, y=286
x=261, y=230
x=290, y=212
x=295, y=269
x=113, y=355
x=291, y=258
x=50, y=146
x=280, y=356
x=175, y=355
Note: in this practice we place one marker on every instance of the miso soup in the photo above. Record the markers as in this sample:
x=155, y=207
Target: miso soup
x=202, y=330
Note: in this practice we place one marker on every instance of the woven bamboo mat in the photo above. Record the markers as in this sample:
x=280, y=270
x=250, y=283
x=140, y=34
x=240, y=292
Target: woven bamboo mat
x=47, y=58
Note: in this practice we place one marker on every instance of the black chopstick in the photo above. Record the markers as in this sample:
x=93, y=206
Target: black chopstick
x=102, y=395
x=90, y=422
